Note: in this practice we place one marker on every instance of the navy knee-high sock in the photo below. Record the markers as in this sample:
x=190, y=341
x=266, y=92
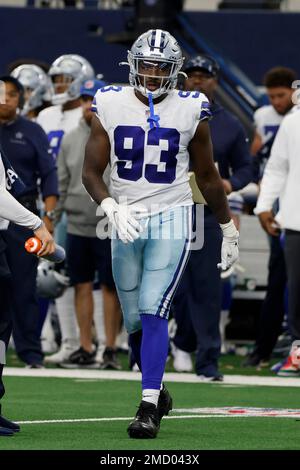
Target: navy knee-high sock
x=154, y=350
x=135, y=342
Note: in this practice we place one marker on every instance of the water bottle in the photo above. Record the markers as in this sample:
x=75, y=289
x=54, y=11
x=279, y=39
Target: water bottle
x=34, y=244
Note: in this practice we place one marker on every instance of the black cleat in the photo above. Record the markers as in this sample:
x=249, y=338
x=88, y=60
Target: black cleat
x=110, y=360
x=80, y=358
x=255, y=360
x=165, y=403
x=8, y=425
x=6, y=432
x=146, y=422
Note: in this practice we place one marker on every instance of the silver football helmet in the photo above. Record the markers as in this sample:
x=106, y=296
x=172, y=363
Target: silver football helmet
x=50, y=283
x=76, y=70
x=36, y=83
x=159, y=49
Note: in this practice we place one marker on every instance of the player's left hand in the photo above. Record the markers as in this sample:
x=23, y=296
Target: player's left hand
x=230, y=246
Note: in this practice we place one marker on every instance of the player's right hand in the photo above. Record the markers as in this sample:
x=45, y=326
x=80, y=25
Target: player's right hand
x=48, y=244
x=121, y=218
x=269, y=223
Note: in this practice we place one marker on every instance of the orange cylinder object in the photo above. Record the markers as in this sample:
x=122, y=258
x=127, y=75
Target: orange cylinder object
x=33, y=245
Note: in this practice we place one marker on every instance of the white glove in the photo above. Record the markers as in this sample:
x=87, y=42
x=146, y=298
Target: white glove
x=230, y=246
x=127, y=227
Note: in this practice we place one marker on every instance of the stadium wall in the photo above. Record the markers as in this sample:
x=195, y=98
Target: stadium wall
x=255, y=41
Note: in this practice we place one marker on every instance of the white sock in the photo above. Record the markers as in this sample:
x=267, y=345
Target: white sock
x=47, y=331
x=98, y=316
x=150, y=395
x=66, y=315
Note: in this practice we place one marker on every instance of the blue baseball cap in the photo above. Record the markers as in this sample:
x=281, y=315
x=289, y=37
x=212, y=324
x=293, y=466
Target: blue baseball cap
x=14, y=81
x=90, y=87
x=202, y=62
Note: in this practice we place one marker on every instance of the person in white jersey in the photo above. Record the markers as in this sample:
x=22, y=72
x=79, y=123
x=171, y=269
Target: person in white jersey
x=267, y=119
x=148, y=132
x=67, y=73
x=281, y=180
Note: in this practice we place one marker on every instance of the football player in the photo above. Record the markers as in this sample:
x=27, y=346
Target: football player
x=267, y=119
x=148, y=132
x=67, y=74
x=37, y=87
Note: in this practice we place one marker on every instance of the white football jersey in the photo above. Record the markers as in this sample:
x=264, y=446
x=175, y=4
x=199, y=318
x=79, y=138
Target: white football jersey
x=267, y=122
x=56, y=123
x=149, y=166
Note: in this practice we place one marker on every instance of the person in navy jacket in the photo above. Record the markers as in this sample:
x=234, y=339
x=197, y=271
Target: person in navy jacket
x=26, y=145
x=197, y=304
x=12, y=211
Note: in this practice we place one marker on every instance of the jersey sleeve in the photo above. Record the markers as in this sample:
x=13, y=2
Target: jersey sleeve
x=11, y=209
x=205, y=111
x=202, y=111
x=98, y=107
x=257, y=122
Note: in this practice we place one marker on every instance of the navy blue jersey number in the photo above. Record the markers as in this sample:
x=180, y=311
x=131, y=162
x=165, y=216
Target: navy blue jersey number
x=129, y=148
x=186, y=94
x=54, y=139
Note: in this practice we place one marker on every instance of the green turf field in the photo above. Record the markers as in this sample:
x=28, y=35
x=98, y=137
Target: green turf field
x=38, y=399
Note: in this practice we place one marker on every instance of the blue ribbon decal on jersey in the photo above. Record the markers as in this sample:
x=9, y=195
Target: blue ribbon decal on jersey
x=153, y=118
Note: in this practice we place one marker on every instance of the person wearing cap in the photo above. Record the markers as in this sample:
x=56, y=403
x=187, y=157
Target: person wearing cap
x=26, y=145
x=87, y=255
x=201, y=286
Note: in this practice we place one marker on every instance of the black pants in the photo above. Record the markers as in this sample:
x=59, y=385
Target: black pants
x=25, y=308
x=197, y=303
x=5, y=309
x=292, y=256
x=273, y=308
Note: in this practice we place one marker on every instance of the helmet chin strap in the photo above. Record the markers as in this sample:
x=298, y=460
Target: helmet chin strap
x=153, y=118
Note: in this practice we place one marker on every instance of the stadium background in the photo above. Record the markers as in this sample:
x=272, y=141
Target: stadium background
x=255, y=40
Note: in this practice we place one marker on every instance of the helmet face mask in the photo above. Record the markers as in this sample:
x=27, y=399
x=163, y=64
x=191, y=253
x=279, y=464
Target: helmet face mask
x=50, y=283
x=67, y=73
x=154, y=51
x=61, y=82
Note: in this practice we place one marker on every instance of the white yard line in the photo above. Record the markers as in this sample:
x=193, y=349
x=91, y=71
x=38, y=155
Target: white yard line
x=216, y=413
x=135, y=376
